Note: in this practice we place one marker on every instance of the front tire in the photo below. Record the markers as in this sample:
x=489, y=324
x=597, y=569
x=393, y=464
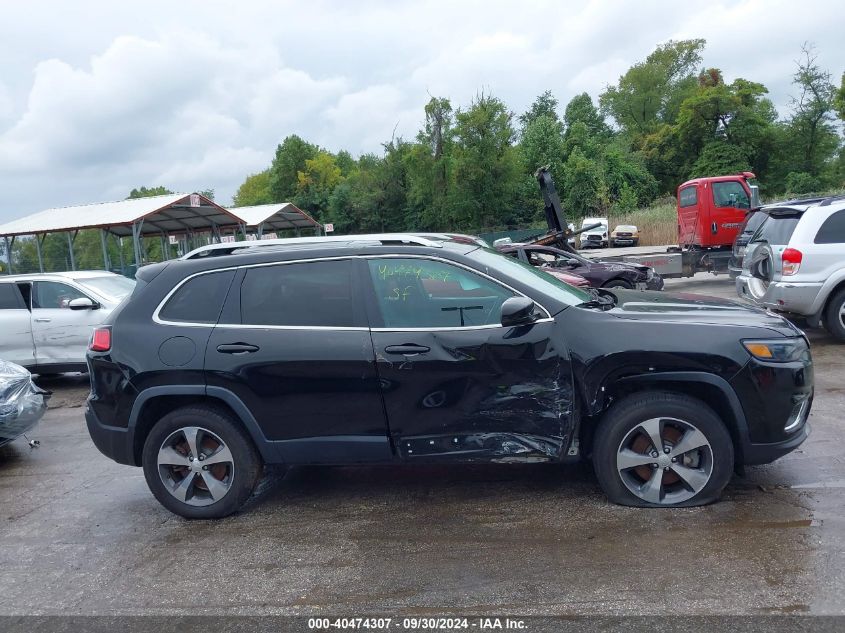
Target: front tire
x=662, y=449
x=200, y=463
x=618, y=283
x=834, y=316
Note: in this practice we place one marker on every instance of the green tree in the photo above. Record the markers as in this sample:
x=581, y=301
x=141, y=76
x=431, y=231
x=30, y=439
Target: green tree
x=254, y=190
x=146, y=192
x=839, y=100
x=584, y=189
x=802, y=182
x=651, y=92
x=428, y=167
x=289, y=160
x=725, y=126
x=544, y=105
x=581, y=109
x=485, y=165
x=720, y=157
x=813, y=113
x=316, y=183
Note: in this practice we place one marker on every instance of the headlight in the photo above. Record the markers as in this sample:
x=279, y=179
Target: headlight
x=780, y=350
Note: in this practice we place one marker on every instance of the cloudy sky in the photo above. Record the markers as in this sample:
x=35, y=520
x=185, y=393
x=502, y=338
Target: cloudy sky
x=98, y=97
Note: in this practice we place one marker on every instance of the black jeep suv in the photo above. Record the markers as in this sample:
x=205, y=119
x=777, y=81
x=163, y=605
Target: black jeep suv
x=390, y=349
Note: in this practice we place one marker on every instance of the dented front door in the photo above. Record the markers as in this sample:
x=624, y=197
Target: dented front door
x=455, y=383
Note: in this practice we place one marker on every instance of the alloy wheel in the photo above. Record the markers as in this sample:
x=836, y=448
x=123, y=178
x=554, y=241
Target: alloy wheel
x=196, y=466
x=665, y=460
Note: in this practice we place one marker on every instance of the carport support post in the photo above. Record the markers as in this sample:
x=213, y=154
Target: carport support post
x=8, y=254
x=38, y=252
x=136, y=243
x=70, y=251
x=106, y=262
x=119, y=241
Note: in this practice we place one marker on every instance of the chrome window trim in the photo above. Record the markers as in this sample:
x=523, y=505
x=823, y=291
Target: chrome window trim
x=246, y=326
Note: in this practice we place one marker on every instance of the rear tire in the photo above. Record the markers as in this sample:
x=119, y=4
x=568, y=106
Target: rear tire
x=200, y=463
x=834, y=316
x=624, y=452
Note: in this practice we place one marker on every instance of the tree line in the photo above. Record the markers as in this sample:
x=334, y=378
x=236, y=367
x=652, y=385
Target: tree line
x=667, y=119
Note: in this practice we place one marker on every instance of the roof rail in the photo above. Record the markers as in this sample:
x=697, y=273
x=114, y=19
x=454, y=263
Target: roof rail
x=828, y=201
x=228, y=248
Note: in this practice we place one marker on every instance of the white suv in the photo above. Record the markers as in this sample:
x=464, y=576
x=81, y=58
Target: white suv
x=46, y=319
x=795, y=263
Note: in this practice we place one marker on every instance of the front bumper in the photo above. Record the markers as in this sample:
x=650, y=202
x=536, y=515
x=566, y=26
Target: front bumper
x=776, y=400
x=655, y=283
x=755, y=454
x=115, y=442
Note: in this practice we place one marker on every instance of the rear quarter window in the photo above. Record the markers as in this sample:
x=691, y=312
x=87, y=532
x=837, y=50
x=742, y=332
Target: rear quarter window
x=688, y=196
x=832, y=230
x=199, y=299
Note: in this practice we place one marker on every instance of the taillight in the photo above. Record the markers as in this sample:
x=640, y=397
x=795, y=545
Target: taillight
x=101, y=340
x=791, y=259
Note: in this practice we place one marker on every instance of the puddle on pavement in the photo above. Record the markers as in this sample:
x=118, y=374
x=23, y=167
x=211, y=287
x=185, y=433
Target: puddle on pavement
x=820, y=484
x=781, y=524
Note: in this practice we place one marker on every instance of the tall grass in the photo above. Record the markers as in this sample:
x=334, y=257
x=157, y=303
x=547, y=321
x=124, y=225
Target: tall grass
x=658, y=223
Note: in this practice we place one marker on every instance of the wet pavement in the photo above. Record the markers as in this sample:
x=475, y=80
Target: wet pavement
x=82, y=535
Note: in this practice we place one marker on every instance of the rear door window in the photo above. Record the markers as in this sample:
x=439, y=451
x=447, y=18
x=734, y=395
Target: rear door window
x=688, y=197
x=198, y=300
x=306, y=294
x=10, y=297
x=832, y=230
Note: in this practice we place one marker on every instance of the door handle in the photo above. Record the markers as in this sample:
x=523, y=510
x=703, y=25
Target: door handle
x=237, y=348
x=408, y=349
x=43, y=320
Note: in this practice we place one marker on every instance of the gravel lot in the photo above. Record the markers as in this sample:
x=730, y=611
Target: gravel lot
x=82, y=535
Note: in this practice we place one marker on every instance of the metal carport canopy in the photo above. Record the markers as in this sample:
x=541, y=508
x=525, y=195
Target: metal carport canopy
x=280, y=216
x=171, y=213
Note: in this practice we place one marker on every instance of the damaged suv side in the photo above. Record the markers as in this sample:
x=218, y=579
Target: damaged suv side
x=398, y=349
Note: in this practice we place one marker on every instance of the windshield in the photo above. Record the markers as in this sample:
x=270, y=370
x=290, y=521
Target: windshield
x=109, y=286
x=530, y=276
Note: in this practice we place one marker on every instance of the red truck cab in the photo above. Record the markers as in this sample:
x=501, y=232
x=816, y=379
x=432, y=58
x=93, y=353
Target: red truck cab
x=711, y=210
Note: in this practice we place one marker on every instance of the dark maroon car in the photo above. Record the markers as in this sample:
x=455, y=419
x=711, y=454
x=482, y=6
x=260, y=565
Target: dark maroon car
x=600, y=274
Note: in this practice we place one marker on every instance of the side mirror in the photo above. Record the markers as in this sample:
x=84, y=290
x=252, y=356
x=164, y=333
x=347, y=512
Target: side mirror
x=755, y=196
x=517, y=311
x=82, y=303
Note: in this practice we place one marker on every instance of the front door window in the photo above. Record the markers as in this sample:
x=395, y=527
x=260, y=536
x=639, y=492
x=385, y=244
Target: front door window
x=424, y=293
